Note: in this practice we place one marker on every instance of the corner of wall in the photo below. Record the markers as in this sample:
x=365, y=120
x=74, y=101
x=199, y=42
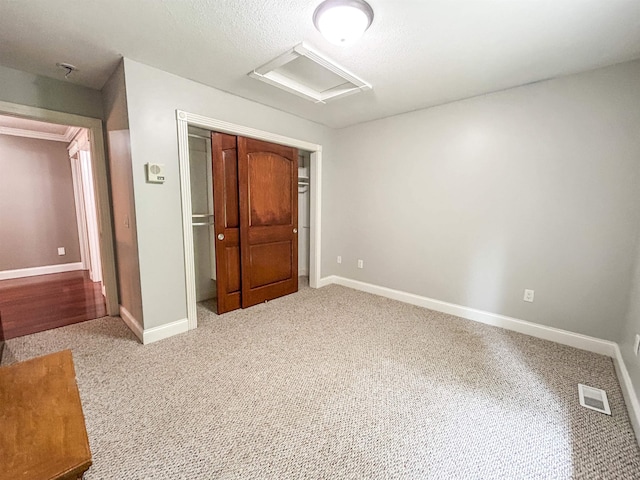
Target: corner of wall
x=628, y=362
x=122, y=194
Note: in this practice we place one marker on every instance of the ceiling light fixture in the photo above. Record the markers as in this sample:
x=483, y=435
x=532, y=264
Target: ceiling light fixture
x=342, y=22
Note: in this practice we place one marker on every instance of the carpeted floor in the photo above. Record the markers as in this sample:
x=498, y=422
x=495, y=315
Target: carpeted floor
x=340, y=384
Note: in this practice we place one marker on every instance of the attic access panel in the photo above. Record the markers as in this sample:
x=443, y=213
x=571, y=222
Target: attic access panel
x=304, y=72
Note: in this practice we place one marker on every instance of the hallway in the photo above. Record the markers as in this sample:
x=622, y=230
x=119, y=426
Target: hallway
x=33, y=304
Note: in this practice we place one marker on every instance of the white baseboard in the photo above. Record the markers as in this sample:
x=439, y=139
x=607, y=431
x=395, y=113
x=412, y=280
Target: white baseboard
x=154, y=334
x=629, y=393
x=45, y=270
x=324, y=281
x=564, y=337
x=167, y=330
x=132, y=323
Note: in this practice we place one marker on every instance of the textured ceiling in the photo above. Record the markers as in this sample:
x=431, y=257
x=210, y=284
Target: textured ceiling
x=417, y=53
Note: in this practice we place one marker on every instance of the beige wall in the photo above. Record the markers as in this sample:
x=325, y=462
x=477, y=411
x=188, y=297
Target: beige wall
x=121, y=182
x=37, y=213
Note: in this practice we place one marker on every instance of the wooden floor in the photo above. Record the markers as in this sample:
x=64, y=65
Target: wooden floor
x=33, y=304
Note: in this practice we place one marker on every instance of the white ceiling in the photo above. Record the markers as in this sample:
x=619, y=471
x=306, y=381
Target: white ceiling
x=417, y=53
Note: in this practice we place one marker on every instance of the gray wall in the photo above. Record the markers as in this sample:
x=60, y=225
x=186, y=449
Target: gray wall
x=38, y=211
x=33, y=90
x=121, y=182
x=474, y=201
x=153, y=97
x=632, y=326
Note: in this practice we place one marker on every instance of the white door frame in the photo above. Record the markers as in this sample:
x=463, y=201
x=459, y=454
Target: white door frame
x=100, y=183
x=78, y=198
x=85, y=198
x=185, y=119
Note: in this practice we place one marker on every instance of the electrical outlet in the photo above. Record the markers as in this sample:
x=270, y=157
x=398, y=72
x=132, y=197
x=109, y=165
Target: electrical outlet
x=339, y=259
x=61, y=251
x=636, y=345
x=528, y=295
x=360, y=264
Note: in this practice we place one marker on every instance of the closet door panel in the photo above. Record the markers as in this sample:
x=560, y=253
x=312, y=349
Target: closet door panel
x=226, y=221
x=230, y=177
x=270, y=263
x=233, y=261
x=268, y=176
x=269, y=192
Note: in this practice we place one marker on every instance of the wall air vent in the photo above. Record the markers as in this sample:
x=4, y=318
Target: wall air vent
x=304, y=72
x=594, y=398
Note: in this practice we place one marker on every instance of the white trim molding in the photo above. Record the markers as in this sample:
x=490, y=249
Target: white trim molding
x=65, y=137
x=80, y=141
x=564, y=337
x=324, y=281
x=184, y=120
x=153, y=334
x=167, y=330
x=45, y=270
x=628, y=392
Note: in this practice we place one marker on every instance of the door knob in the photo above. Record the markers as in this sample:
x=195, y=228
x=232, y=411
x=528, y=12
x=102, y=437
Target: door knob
x=221, y=236
x=295, y=230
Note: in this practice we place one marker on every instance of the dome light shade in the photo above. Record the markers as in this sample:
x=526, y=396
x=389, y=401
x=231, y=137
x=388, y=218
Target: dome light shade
x=342, y=22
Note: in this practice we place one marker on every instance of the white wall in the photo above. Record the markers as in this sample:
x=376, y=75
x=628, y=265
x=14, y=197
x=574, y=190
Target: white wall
x=474, y=201
x=153, y=97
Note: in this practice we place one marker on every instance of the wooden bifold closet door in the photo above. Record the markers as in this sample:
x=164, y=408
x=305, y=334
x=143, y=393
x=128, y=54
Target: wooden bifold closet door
x=256, y=220
x=226, y=215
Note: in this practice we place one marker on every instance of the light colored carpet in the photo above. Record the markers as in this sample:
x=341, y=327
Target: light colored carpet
x=335, y=383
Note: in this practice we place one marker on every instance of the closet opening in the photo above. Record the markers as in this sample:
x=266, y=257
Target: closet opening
x=276, y=230
x=202, y=218
x=304, y=215
x=213, y=155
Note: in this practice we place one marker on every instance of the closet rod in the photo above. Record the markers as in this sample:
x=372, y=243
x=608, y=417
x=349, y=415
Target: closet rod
x=195, y=135
x=201, y=224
